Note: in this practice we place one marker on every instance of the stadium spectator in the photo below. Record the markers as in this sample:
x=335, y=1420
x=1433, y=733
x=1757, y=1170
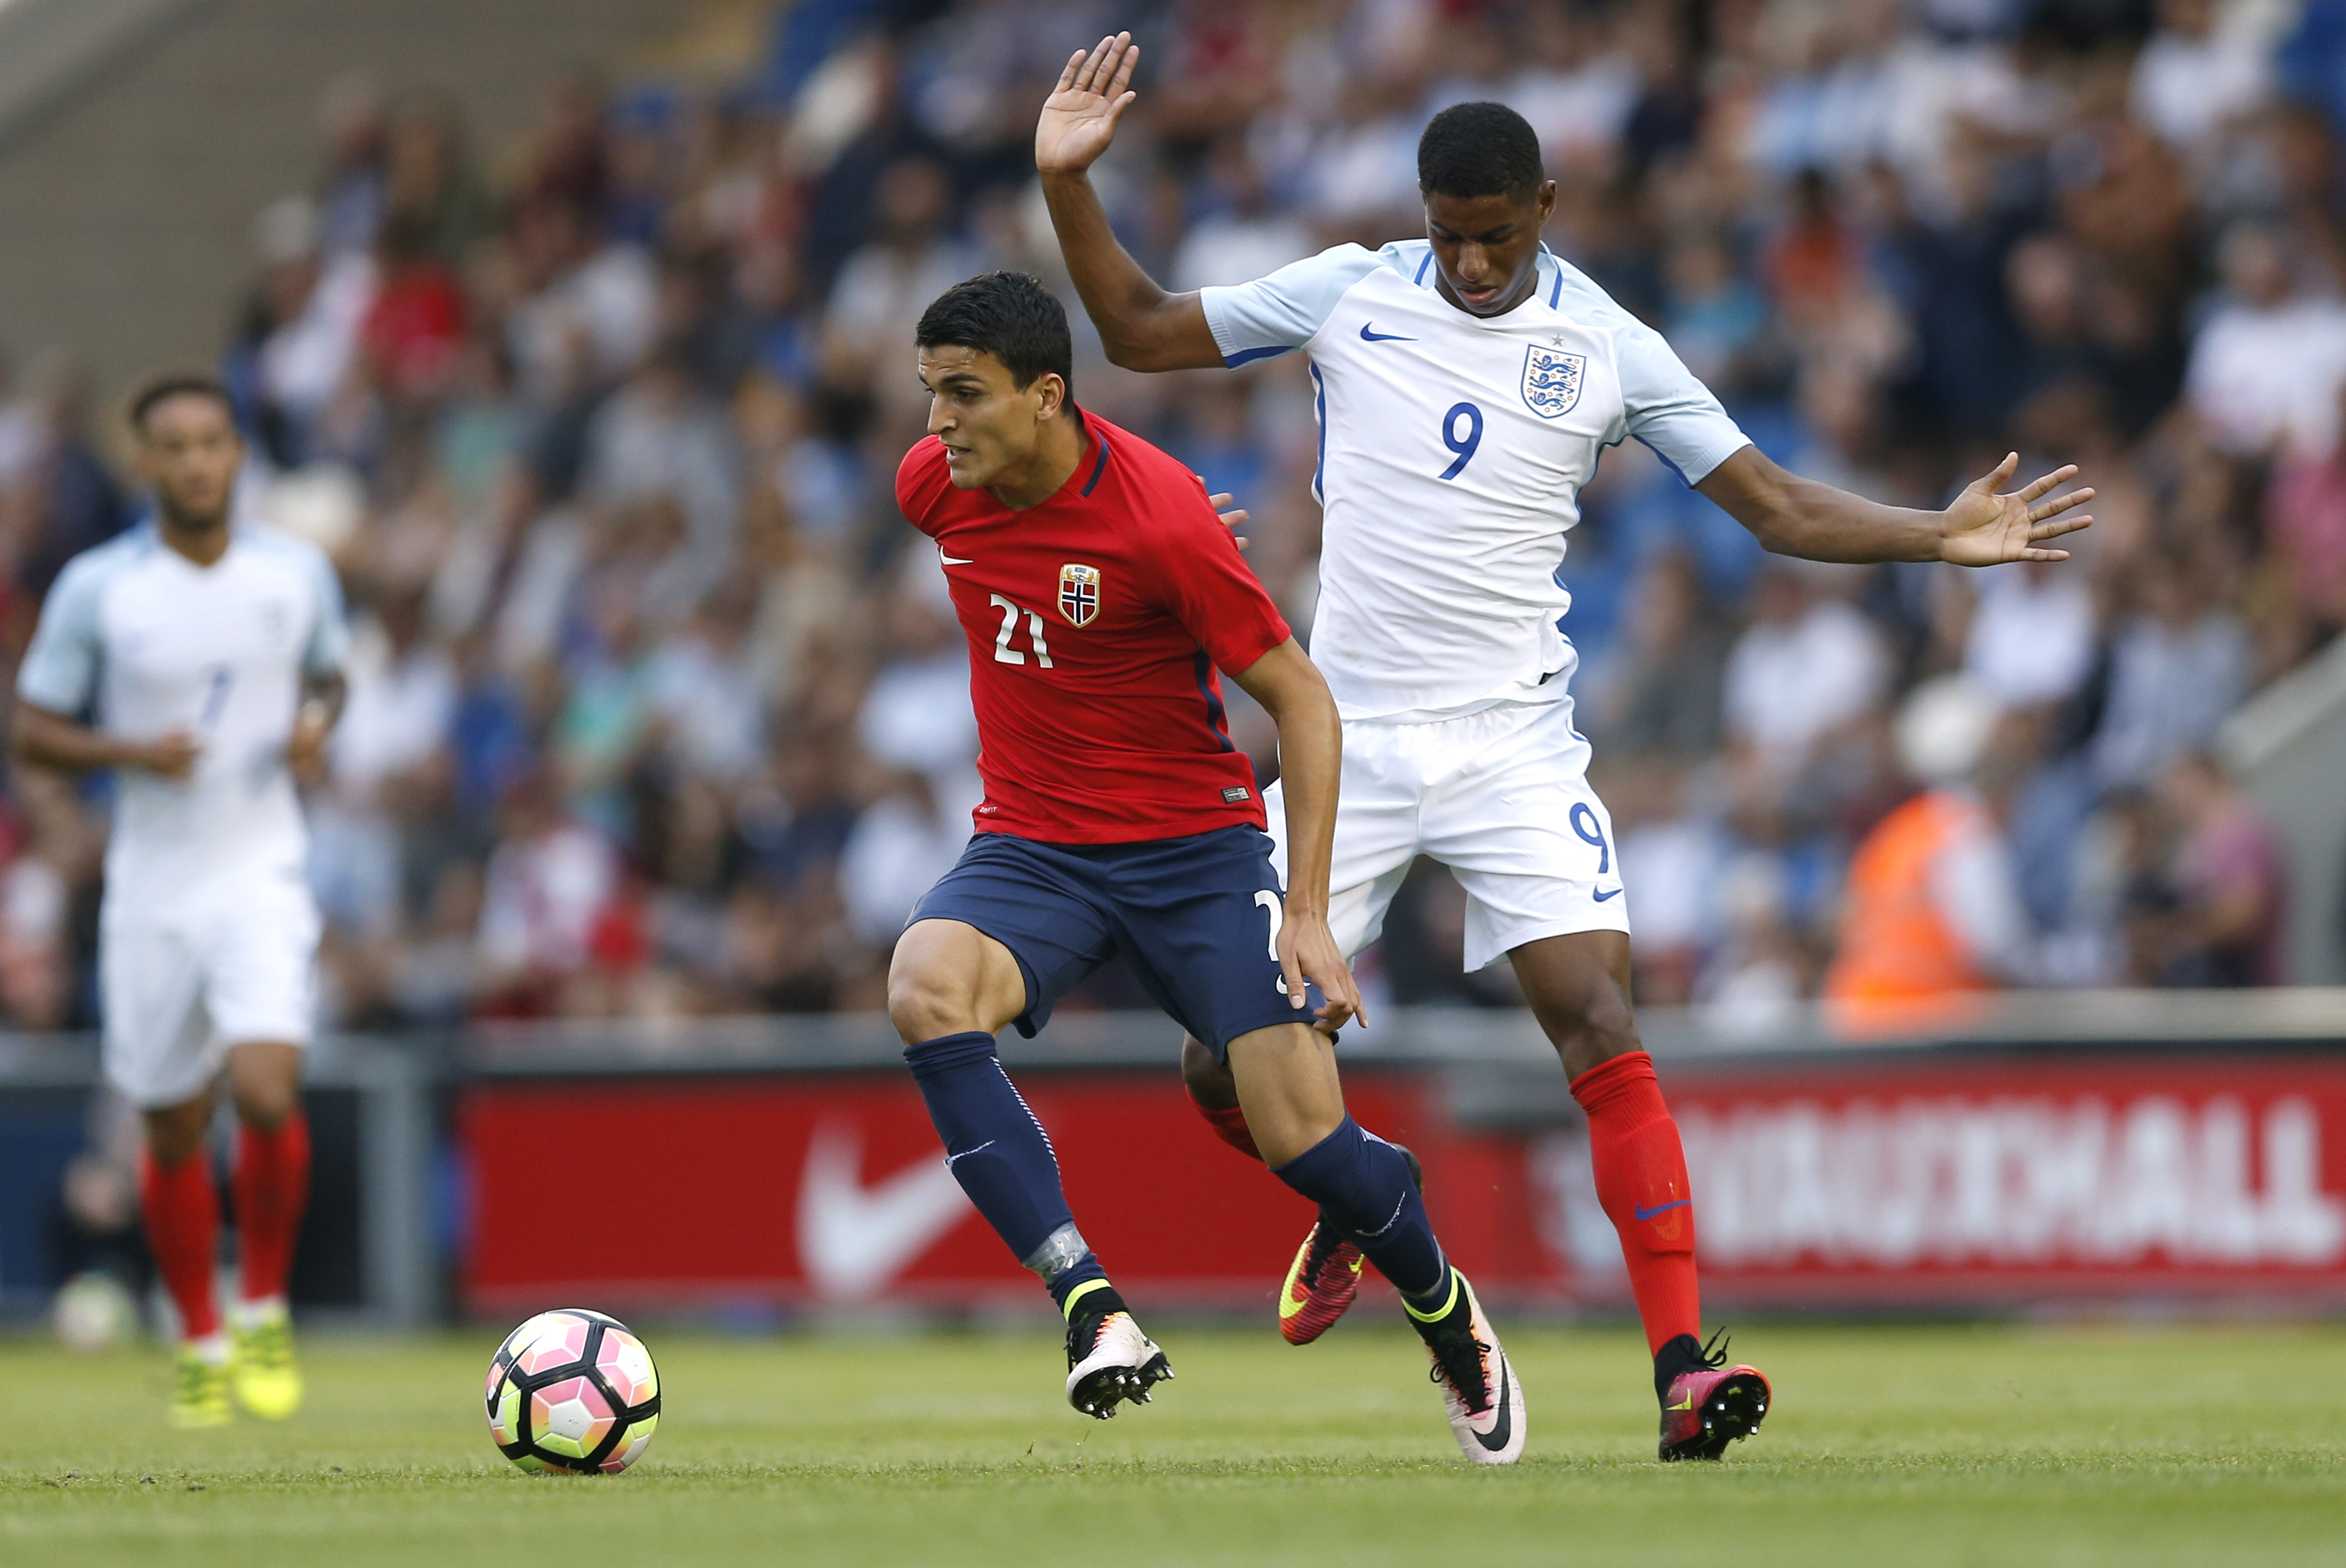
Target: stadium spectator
x=1933, y=911
x=1809, y=665
x=2227, y=879
x=2178, y=666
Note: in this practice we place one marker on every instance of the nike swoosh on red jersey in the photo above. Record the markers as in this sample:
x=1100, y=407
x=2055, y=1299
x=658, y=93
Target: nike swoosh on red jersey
x=954, y=560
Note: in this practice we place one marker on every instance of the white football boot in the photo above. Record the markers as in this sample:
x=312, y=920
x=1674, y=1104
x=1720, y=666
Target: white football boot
x=1479, y=1390
x=1109, y=1359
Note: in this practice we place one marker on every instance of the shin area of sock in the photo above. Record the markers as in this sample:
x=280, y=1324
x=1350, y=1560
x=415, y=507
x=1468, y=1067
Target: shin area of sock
x=181, y=1211
x=1641, y=1182
x=273, y=1189
x=996, y=1148
x=1361, y=1184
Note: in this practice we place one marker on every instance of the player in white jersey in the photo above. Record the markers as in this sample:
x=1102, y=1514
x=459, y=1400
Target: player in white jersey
x=1466, y=384
x=200, y=662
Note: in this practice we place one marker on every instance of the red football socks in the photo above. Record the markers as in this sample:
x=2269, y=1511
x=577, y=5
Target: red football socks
x=272, y=1186
x=1641, y=1180
x=1229, y=1124
x=182, y=1215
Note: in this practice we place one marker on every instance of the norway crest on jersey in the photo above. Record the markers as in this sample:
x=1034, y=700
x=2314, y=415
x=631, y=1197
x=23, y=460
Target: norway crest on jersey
x=1079, y=594
x=1551, y=380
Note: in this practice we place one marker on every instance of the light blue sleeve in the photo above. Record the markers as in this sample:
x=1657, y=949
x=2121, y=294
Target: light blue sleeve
x=61, y=667
x=1670, y=410
x=1281, y=312
x=329, y=634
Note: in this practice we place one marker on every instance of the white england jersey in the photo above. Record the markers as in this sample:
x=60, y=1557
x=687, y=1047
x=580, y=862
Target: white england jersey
x=145, y=642
x=1452, y=452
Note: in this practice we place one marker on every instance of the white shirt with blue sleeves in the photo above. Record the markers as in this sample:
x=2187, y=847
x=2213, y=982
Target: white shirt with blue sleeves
x=142, y=642
x=1452, y=452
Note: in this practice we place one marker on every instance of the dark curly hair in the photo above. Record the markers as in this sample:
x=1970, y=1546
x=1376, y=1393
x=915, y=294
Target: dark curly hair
x=1479, y=149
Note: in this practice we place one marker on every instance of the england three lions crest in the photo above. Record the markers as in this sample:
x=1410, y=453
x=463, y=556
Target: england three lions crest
x=1079, y=594
x=1551, y=380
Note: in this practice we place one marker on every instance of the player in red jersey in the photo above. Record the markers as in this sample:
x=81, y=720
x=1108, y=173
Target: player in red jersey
x=1103, y=598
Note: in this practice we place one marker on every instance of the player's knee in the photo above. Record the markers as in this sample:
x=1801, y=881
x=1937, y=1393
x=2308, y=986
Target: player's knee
x=266, y=1104
x=1210, y=1082
x=176, y=1134
x=1604, y=1028
x=264, y=1081
x=926, y=1000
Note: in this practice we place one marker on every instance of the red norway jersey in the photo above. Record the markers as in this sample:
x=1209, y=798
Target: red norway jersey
x=1097, y=623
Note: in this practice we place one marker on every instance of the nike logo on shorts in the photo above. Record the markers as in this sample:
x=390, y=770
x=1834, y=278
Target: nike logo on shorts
x=1610, y=893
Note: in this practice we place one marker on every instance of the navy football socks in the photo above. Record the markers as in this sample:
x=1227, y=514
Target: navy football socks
x=1002, y=1158
x=1362, y=1185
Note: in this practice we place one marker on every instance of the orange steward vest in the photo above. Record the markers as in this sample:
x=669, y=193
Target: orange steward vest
x=1895, y=946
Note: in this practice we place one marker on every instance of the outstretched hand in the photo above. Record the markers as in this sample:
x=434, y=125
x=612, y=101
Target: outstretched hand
x=1079, y=117
x=1984, y=528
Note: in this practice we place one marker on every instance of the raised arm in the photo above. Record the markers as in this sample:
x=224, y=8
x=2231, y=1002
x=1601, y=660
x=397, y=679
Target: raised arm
x=1311, y=754
x=1142, y=327
x=1981, y=528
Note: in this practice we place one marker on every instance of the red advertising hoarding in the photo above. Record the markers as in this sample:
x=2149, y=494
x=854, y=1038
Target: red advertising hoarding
x=1872, y=1181
x=804, y=1189
x=1977, y=1182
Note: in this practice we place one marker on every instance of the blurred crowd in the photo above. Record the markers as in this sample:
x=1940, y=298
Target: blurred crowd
x=656, y=711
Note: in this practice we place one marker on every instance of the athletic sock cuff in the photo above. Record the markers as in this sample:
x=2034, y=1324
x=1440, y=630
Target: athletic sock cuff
x=1448, y=1298
x=1348, y=1133
x=1618, y=1083
x=1089, y=1290
x=946, y=1053
x=294, y=1125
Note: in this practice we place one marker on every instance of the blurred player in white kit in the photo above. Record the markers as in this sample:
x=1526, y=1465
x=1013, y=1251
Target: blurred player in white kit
x=199, y=659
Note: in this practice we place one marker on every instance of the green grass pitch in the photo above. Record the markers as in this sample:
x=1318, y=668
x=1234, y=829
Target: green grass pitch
x=1963, y=1445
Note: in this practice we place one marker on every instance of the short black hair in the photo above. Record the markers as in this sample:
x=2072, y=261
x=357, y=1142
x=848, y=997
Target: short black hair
x=165, y=384
x=1009, y=315
x=1479, y=149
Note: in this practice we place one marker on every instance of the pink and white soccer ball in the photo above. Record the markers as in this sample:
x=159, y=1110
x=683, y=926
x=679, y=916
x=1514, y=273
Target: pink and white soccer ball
x=572, y=1390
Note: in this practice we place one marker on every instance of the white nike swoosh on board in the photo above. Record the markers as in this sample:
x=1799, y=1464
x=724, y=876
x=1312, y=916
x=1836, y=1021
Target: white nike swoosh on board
x=853, y=1239
x=954, y=560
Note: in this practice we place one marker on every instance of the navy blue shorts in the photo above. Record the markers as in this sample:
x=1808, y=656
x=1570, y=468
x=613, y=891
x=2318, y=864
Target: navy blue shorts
x=1194, y=916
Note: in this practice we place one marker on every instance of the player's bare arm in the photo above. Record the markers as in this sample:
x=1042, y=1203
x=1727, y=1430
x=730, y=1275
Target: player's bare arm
x=1983, y=526
x=1142, y=327
x=50, y=739
x=1310, y=753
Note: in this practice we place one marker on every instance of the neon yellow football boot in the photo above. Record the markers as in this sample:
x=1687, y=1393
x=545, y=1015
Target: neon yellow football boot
x=199, y=1391
x=268, y=1383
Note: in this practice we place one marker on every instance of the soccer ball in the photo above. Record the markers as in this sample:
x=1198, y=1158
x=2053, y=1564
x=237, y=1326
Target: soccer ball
x=572, y=1390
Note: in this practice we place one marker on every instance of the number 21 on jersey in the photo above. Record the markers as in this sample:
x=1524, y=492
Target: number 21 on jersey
x=1003, y=652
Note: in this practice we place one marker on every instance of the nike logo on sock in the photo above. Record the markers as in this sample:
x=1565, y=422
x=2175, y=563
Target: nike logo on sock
x=1369, y=336
x=1645, y=1214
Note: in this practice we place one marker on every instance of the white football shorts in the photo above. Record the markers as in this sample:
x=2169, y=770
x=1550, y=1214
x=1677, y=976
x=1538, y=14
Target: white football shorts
x=1501, y=797
x=183, y=983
